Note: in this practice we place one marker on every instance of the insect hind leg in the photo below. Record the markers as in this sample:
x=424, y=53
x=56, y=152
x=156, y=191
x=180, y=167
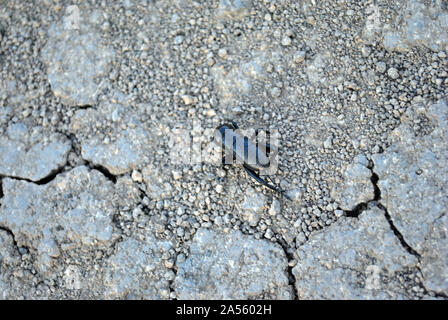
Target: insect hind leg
x=256, y=177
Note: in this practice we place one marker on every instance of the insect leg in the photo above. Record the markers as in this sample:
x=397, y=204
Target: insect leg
x=281, y=191
x=255, y=176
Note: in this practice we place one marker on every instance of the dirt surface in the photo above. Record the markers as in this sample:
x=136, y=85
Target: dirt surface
x=106, y=106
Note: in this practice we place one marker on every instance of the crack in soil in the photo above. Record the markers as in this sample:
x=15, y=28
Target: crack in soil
x=428, y=291
x=375, y=178
x=376, y=201
x=109, y=176
x=397, y=233
x=63, y=169
x=42, y=181
x=47, y=179
x=76, y=149
x=395, y=230
x=14, y=241
x=289, y=257
x=85, y=106
x=363, y=206
x=171, y=282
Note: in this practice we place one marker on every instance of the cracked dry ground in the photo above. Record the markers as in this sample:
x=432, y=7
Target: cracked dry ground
x=96, y=98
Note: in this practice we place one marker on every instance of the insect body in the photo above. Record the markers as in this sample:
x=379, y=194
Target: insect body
x=252, y=156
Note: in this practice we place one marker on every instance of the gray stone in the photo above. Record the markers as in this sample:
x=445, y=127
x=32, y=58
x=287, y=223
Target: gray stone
x=9, y=255
x=232, y=266
x=286, y=41
x=276, y=92
x=77, y=59
x=419, y=24
x=435, y=257
x=357, y=187
x=393, y=73
x=239, y=80
x=178, y=39
x=120, y=156
x=157, y=184
x=187, y=99
x=350, y=259
x=136, y=270
x=128, y=191
x=121, y=150
x=32, y=153
x=275, y=207
x=253, y=206
x=381, y=67
x=233, y=8
x=295, y=195
x=392, y=41
x=413, y=177
x=299, y=57
x=74, y=211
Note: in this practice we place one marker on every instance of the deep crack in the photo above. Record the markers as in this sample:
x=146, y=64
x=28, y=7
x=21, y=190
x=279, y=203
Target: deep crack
x=360, y=208
x=376, y=201
x=84, y=106
x=377, y=192
x=375, y=178
x=76, y=149
x=289, y=257
x=428, y=291
x=171, y=282
x=363, y=206
x=14, y=241
x=397, y=232
x=103, y=170
x=51, y=176
x=42, y=181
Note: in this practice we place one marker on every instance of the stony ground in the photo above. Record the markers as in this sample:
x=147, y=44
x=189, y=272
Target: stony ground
x=95, y=97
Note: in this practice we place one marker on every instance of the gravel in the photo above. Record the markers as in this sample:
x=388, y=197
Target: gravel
x=420, y=24
x=77, y=59
x=357, y=187
x=253, y=206
x=107, y=108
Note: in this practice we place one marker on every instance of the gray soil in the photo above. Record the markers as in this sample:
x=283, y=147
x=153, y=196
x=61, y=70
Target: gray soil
x=100, y=101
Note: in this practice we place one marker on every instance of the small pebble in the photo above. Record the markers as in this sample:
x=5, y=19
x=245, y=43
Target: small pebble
x=393, y=73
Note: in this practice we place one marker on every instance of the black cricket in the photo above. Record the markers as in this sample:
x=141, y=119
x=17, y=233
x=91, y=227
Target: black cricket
x=251, y=156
